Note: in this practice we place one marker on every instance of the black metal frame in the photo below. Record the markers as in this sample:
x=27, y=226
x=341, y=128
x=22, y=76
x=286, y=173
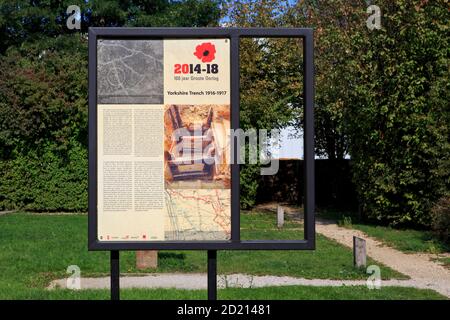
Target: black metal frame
x=234, y=34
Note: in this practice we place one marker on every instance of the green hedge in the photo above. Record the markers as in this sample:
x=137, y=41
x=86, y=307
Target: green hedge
x=43, y=126
x=46, y=181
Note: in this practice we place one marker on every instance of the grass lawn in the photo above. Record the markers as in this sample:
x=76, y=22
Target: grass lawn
x=406, y=240
x=444, y=261
x=35, y=249
x=275, y=293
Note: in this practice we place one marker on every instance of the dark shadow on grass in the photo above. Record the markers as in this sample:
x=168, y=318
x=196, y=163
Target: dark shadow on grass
x=171, y=255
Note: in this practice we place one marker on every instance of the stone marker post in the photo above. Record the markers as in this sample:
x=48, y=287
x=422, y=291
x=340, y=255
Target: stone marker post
x=280, y=217
x=359, y=252
x=146, y=259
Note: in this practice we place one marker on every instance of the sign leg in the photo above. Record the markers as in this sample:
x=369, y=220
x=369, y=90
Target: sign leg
x=115, y=275
x=212, y=274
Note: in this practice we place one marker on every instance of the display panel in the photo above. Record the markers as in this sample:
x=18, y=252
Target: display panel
x=124, y=86
x=163, y=147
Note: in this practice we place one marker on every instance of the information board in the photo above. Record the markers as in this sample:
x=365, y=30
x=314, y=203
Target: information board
x=162, y=171
x=163, y=122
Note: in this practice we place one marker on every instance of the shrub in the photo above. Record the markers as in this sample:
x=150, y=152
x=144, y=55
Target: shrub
x=440, y=218
x=249, y=182
x=345, y=222
x=397, y=120
x=47, y=180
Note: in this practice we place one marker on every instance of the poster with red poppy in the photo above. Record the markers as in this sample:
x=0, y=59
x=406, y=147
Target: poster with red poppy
x=196, y=71
x=163, y=128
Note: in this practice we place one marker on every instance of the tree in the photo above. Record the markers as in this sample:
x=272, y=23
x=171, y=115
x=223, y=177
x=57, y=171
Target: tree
x=398, y=127
x=381, y=95
x=335, y=23
x=43, y=92
x=25, y=21
x=271, y=73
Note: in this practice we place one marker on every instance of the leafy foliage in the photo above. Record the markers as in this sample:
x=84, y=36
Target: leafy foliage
x=381, y=96
x=43, y=92
x=43, y=129
x=440, y=219
x=398, y=121
x=45, y=180
x=23, y=21
x=271, y=88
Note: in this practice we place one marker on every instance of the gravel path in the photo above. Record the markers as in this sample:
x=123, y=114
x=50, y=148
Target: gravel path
x=422, y=271
x=191, y=281
x=6, y=212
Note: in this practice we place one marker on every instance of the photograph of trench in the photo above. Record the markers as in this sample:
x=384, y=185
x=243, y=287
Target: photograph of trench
x=196, y=146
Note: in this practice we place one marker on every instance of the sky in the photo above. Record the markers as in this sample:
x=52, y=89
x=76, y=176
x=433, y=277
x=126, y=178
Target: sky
x=291, y=144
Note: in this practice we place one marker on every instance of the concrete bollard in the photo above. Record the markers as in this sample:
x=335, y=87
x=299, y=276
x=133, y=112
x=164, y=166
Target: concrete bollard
x=359, y=252
x=280, y=217
x=147, y=259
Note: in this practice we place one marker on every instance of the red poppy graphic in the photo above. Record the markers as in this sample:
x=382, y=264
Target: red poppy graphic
x=205, y=52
